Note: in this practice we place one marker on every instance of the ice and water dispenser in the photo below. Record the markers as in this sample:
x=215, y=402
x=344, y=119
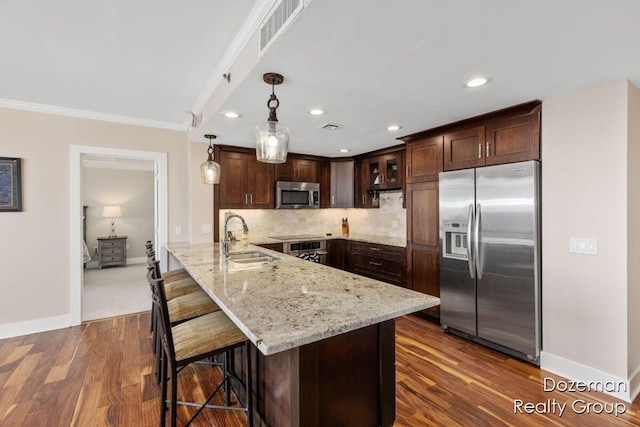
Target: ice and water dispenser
x=455, y=240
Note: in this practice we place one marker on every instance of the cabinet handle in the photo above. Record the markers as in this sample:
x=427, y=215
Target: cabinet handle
x=251, y=198
x=375, y=263
x=333, y=200
x=246, y=198
x=407, y=171
x=479, y=151
x=364, y=201
x=375, y=249
x=487, y=149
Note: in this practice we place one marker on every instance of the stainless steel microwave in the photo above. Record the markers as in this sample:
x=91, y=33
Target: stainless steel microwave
x=297, y=195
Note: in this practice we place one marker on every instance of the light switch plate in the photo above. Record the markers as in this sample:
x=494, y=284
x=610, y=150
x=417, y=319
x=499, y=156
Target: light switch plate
x=583, y=246
x=207, y=229
x=179, y=230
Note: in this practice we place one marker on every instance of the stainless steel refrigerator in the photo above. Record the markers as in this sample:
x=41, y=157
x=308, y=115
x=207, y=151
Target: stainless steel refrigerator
x=490, y=256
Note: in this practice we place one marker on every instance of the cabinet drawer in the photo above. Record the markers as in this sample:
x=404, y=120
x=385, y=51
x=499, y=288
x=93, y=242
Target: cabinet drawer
x=112, y=243
x=378, y=251
x=384, y=269
x=111, y=258
x=112, y=252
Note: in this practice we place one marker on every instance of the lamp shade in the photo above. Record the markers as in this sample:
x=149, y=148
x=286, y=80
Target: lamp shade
x=111, y=212
x=210, y=172
x=272, y=142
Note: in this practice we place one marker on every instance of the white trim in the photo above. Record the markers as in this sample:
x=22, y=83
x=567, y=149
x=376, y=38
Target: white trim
x=250, y=26
x=75, y=212
x=71, y=112
x=34, y=326
x=578, y=372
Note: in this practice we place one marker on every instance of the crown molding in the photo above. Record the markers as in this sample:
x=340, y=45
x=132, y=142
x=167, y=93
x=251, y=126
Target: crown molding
x=83, y=114
x=250, y=26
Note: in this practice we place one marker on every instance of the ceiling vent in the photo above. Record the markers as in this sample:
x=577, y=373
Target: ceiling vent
x=330, y=126
x=276, y=22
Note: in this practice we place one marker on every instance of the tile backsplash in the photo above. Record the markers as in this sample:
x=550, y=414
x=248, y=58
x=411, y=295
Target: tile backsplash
x=277, y=222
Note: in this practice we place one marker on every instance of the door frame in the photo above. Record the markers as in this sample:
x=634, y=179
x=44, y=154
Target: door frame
x=75, y=212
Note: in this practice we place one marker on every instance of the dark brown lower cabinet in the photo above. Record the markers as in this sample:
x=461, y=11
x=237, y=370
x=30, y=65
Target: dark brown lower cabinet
x=423, y=246
x=278, y=247
x=346, y=380
x=381, y=262
x=337, y=250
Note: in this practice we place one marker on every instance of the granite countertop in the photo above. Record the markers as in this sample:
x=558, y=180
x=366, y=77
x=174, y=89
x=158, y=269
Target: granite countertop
x=367, y=238
x=292, y=302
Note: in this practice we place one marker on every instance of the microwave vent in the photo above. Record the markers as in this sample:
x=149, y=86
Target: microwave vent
x=276, y=22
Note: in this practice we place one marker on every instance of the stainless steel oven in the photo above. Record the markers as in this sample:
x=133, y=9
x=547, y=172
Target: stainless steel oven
x=310, y=250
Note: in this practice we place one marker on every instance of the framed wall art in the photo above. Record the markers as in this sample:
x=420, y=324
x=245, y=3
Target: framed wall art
x=10, y=184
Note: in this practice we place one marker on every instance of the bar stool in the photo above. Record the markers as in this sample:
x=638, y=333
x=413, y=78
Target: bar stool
x=191, y=341
x=180, y=309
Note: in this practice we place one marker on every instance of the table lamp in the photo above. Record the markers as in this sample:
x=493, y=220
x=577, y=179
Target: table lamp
x=112, y=212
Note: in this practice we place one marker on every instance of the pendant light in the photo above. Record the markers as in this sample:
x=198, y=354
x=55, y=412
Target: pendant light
x=210, y=170
x=272, y=138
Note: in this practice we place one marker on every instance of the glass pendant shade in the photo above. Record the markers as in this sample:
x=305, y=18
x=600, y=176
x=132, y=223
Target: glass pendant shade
x=210, y=172
x=272, y=142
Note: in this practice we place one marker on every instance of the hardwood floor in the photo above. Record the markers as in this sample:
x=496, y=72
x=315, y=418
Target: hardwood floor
x=101, y=374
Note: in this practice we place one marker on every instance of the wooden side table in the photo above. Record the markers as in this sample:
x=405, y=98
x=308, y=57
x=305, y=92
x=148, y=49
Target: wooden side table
x=112, y=251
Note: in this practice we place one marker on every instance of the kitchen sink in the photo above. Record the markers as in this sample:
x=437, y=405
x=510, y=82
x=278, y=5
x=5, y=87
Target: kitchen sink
x=251, y=258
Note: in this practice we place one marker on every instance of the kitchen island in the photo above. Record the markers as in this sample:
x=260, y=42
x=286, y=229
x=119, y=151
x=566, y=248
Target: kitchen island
x=323, y=338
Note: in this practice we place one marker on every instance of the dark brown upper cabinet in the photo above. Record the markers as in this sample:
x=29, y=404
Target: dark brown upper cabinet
x=498, y=140
x=297, y=170
x=464, y=148
x=513, y=139
x=245, y=182
x=424, y=159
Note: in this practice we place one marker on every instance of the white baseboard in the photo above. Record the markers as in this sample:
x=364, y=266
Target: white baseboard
x=578, y=372
x=130, y=261
x=634, y=382
x=34, y=326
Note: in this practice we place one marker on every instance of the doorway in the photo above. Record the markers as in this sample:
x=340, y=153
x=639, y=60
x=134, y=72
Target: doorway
x=77, y=153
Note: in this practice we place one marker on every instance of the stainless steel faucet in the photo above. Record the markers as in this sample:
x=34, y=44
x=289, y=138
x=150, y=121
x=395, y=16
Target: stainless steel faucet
x=225, y=242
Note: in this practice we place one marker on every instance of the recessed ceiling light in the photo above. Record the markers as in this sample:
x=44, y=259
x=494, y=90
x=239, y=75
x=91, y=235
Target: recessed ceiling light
x=231, y=114
x=344, y=150
x=394, y=127
x=476, y=81
x=317, y=112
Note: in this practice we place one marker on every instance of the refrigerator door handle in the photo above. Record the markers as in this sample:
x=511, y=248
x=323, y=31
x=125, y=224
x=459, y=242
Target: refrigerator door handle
x=470, y=260
x=476, y=242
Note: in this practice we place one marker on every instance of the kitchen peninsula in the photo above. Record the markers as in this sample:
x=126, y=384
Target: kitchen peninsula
x=323, y=338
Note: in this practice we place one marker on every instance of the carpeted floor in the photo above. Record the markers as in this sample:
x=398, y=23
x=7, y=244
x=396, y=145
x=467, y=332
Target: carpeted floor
x=114, y=291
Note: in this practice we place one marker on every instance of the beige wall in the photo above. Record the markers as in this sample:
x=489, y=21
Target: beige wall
x=633, y=243
x=584, y=194
x=201, y=196
x=34, y=248
x=132, y=190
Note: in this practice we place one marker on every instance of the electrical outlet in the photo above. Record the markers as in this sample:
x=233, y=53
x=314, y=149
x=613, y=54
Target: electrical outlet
x=394, y=224
x=207, y=228
x=179, y=230
x=583, y=246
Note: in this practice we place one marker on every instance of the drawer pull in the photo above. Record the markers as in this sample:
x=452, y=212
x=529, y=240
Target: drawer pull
x=375, y=263
x=375, y=249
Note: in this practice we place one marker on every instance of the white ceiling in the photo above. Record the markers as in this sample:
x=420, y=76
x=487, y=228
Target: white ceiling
x=368, y=62
x=144, y=59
